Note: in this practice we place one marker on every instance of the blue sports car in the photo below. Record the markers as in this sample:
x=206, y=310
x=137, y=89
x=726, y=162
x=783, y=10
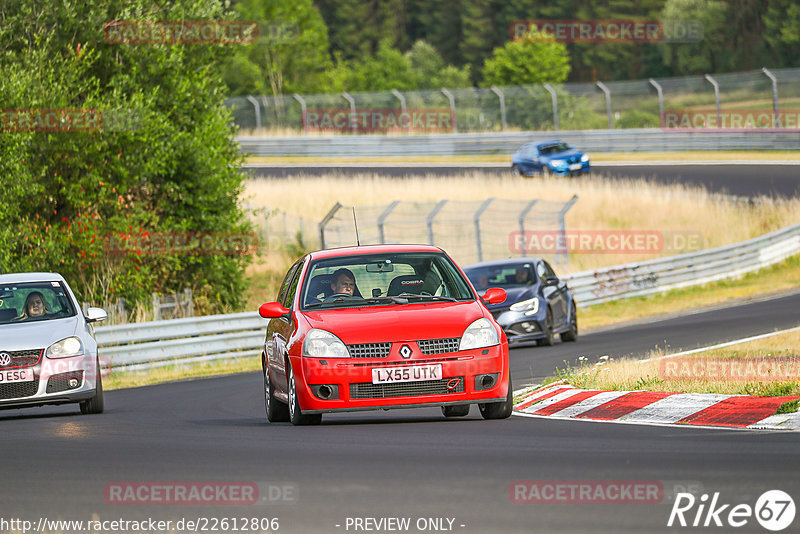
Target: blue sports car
x=549, y=157
x=538, y=305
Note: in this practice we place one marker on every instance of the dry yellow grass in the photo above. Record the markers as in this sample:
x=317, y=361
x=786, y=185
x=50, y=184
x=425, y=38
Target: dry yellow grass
x=631, y=374
x=624, y=204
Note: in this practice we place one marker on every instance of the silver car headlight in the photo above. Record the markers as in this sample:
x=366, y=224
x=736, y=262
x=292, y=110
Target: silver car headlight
x=71, y=346
x=322, y=344
x=558, y=163
x=530, y=306
x=585, y=158
x=479, y=334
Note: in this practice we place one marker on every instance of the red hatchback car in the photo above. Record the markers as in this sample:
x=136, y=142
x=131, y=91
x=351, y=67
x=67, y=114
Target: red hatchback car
x=380, y=327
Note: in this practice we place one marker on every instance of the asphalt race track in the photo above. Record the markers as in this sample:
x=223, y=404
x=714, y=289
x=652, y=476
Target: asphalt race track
x=404, y=463
x=734, y=178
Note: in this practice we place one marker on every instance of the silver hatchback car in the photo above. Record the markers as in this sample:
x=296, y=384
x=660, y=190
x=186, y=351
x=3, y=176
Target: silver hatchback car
x=48, y=353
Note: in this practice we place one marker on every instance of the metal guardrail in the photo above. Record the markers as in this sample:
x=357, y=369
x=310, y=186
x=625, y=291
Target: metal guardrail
x=616, y=140
x=213, y=337
x=695, y=268
x=191, y=340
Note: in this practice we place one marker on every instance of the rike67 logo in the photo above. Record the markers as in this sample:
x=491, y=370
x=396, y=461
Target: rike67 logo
x=774, y=510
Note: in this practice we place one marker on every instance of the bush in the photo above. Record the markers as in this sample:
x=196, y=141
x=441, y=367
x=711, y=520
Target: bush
x=162, y=162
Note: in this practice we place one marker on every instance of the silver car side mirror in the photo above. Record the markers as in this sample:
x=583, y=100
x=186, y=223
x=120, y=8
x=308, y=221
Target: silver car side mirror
x=96, y=314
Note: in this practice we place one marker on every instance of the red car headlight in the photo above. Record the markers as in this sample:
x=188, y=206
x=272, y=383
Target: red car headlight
x=479, y=334
x=322, y=344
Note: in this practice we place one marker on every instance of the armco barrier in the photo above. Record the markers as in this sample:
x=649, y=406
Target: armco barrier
x=617, y=140
x=143, y=345
x=664, y=274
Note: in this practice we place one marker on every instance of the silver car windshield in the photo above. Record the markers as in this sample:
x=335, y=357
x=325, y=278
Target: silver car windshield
x=34, y=301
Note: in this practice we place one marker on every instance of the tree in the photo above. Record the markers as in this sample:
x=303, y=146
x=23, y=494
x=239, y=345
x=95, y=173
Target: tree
x=290, y=54
x=430, y=70
x=524, y=62
x=160, y=161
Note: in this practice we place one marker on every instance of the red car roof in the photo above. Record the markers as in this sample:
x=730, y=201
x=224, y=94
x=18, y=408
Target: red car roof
x=372, y=249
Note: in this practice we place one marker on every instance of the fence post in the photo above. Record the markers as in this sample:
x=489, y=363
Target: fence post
x=156, y=307
x=477, y=220
x=554, y=98
x=660, y=100
x=258, y=111
x=303, y=116
x=187, y=299
x=713, y=82
x=399, y=96
x=452, y=100
x=561, y=245
x=429, y=220
x=325, y=221
x=774, y=80
x=352, y=118
x=607, y=92
x=502, y=98
x=382, y=219
x=522, y=215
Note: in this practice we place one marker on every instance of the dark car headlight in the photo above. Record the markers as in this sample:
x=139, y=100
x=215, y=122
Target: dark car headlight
x=530, y=306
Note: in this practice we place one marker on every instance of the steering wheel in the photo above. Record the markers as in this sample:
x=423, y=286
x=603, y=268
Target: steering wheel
x=338, y=295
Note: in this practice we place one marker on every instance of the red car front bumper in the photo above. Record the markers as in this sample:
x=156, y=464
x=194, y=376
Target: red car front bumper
x=470, y=376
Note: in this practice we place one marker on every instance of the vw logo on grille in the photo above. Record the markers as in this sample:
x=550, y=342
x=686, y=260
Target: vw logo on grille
x=5, y=358
x=405, y=351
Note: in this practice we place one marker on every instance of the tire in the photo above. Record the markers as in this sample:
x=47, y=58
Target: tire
x=277, y=412
x=296, y=415
x=572, y=333
x=549, y=337
x=516, y=171
x=499, y=410
x=95, y=404
x=455, y=410
x=546, y=172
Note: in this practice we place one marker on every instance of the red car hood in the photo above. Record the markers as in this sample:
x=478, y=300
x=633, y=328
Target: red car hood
x=408, y=322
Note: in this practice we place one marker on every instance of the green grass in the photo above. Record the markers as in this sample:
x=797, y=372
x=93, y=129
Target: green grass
x=173, y=373
x=787, y=407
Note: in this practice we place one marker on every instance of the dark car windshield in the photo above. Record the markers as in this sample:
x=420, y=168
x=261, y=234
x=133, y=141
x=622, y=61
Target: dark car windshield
x=554, y=149
x=34, y=301
x=383, y=279
x=504, y=276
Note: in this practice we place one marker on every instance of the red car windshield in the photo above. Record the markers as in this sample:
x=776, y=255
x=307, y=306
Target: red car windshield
x=380, y=279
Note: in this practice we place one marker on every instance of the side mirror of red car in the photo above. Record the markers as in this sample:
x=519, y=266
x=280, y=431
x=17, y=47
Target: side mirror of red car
x=271, y=310
x=494, y=295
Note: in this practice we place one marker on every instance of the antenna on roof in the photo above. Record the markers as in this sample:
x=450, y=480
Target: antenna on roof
x=355, y=221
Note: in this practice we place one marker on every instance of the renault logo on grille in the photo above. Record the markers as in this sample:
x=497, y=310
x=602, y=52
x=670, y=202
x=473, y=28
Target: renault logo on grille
x=5, y=358
x=405, y=351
